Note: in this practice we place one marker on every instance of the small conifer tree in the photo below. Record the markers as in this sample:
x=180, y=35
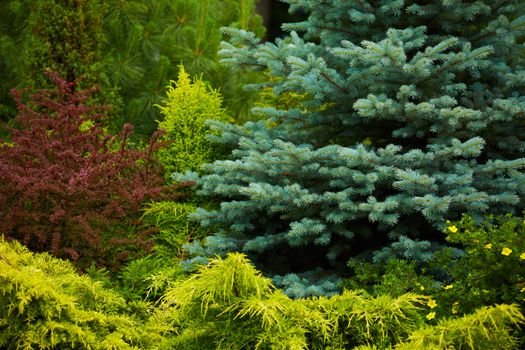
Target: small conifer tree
x=185, y=111
x=64, y=37
x=414, y=115
x=10, y=36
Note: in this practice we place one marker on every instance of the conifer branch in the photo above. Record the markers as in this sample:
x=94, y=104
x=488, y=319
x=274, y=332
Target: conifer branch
x=483, y=36
x=442, y=69
x=337, y=30
x=366, y=6
x=500, y=5
x=6, y=259
x=342, y=89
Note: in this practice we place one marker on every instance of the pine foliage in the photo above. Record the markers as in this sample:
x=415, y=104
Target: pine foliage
x=147, y=40
x=129, y=48
x=413, y=115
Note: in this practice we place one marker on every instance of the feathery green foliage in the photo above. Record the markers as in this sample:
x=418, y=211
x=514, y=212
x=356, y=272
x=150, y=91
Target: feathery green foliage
x=187, y=107
x=45, y=304
x=229, y=305
x=147, y=40
x=149, y=276
x=487, y=328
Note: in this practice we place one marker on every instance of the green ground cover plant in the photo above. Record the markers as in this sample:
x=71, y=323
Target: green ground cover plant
x=486, y=267
x=493, y=269
x=45, y=304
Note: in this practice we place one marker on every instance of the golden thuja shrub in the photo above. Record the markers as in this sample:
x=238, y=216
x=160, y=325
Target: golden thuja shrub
x=187, y=107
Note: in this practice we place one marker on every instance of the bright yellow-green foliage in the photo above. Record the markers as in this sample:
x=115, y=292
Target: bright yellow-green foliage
x=229, y=305
x=284, y=101
x=174, y=225
x=487, y=328
x=187, y=107
x=45, y=304
x=147, y=278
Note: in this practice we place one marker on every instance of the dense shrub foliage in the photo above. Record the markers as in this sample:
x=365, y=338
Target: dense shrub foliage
x=45, y=304
x=227, y=304
x=68, y=187
x=186, y=110
x=488, y=269
x=230, y=303
x=493, y=269
x=148, y=277
x=64, y=37
x=61, y=36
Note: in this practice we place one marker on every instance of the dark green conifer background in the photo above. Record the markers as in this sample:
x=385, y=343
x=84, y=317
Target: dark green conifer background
x=130, y=49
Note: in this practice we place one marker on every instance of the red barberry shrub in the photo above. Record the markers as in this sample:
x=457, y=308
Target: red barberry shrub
x=68, y=187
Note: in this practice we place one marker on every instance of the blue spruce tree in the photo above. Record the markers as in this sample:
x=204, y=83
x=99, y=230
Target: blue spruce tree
x=413, y=113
